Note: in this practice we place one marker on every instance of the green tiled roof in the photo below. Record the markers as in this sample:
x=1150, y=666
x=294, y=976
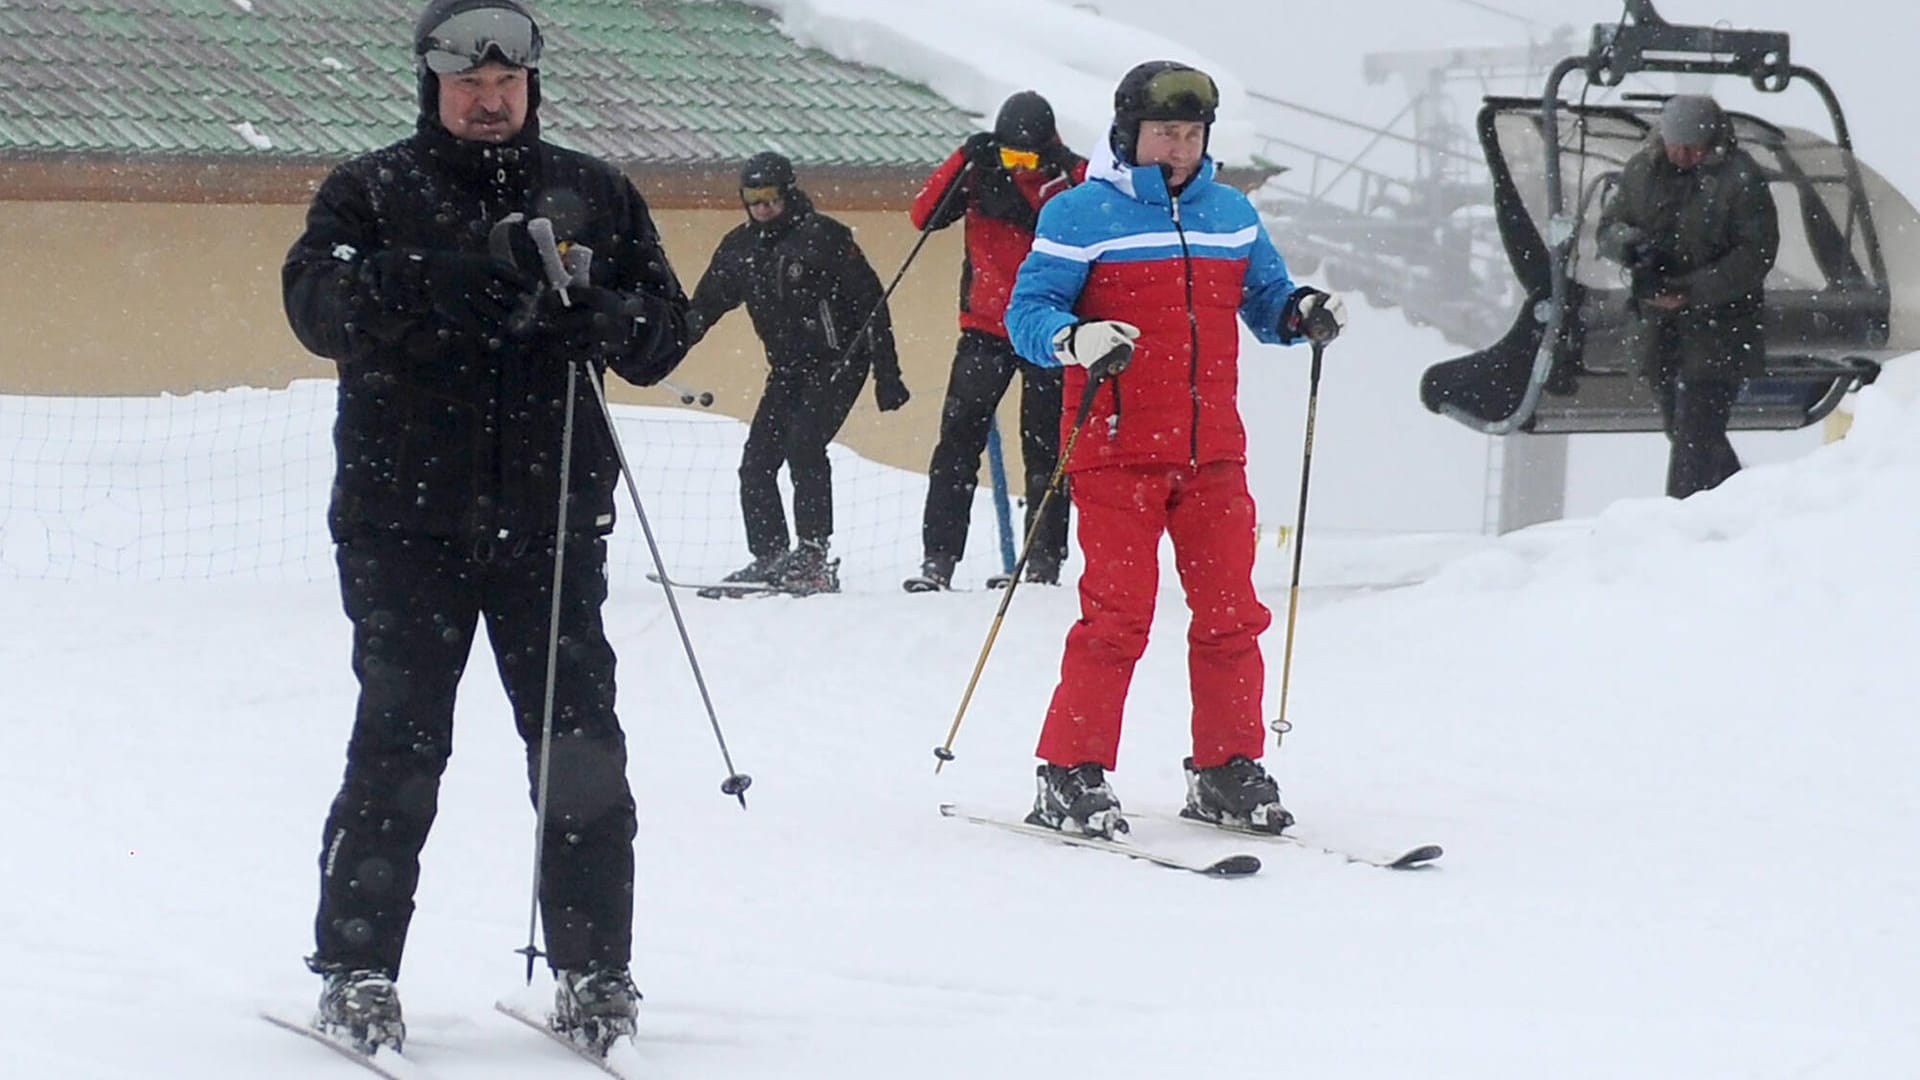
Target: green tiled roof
x=657, y=81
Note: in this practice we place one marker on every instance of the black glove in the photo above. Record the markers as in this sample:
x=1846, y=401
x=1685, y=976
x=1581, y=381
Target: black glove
x=888, y=391
x=1315, y=315
x=982, y=149
x=599, y=322
x=469, y=292
x=1057, y=159
x=1646, y=258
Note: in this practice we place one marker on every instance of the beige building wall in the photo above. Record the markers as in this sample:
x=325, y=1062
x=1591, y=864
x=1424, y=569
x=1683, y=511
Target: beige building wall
x=140, y=299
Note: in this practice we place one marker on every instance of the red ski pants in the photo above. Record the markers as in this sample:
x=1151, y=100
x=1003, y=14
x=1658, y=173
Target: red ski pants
x=1123, y=512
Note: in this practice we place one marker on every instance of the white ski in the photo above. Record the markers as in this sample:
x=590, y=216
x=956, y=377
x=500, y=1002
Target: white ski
x=621, y=1060
x=713, y=590
x=1413, y=858
x=383, y=1062
x=1231, y=866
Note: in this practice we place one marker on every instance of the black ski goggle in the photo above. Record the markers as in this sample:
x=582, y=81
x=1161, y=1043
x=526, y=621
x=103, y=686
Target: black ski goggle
x=472, y=38
x=1180, y=94
x=761, y=196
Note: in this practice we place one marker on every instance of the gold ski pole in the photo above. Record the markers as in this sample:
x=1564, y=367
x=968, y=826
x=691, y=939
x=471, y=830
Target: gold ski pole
x=1113, y=363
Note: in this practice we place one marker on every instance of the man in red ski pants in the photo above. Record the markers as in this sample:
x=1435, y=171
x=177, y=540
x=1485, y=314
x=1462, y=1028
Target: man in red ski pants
x=1154, y=258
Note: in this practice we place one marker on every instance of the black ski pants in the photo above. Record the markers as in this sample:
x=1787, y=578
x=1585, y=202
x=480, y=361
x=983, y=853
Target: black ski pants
x=1695, y=413
x=415, y=603
x=983, y=367
x=800, y=412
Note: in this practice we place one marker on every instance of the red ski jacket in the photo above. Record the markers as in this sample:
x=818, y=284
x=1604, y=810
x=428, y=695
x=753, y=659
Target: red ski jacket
x=1001, y=208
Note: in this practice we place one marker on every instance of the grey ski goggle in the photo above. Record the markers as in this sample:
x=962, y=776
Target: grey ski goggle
x=472, y=38
x=1180, y=94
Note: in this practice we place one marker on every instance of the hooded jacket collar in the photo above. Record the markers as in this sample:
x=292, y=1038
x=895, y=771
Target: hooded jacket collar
x=1144, y=183
x=506, y=166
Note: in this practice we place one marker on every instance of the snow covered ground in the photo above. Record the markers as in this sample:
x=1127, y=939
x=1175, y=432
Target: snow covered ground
x=1669, y=749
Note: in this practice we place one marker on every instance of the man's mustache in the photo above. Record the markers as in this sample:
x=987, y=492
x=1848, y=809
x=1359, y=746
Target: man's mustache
x=489, y=116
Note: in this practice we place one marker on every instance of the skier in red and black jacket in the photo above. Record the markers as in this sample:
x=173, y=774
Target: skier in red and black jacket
x=996, y=181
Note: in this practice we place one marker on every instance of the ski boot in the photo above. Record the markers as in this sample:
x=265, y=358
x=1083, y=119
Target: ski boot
x=362, y=1008
x=1076, y=800
x=763, y=570
x=1239, y=794
x=808, y=570
x=936, y=575
x=594, y=1006
x=1038, y=573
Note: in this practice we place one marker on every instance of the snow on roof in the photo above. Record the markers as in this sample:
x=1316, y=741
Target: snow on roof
x=976, y=54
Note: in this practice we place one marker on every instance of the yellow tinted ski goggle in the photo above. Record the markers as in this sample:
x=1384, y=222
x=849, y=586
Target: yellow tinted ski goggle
x=760, y=196
x=1181, y=91
x=1019, y=159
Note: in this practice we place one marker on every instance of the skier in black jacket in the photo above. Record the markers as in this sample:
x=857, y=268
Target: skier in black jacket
x=453, y=367
x=809, y=291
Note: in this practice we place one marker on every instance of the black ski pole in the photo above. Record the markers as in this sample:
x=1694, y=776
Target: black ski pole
x=1280, y=724
x=737, y=782
x=1113, y=363
x=531, y=950
x=926, y=231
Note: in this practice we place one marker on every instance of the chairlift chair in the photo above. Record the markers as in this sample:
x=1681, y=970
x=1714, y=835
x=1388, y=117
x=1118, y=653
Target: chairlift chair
x=1837, y=303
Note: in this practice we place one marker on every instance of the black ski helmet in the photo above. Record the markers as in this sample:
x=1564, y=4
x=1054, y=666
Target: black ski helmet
x=436, y=15
x=1025, y=122
x=1160, y=90
x=768, y=168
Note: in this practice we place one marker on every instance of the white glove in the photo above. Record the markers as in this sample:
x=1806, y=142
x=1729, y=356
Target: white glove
x=1087, y=343
x=1320, y=316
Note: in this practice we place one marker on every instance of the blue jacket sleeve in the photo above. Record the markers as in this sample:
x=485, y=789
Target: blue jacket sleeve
x=1265, y=290
x=1047, y=288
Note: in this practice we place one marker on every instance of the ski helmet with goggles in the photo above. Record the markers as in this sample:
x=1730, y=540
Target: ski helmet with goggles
x=452, y=36
x=1160, y=90
x=767, y=175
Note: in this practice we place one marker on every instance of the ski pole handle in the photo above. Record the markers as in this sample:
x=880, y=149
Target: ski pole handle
x=558, y=276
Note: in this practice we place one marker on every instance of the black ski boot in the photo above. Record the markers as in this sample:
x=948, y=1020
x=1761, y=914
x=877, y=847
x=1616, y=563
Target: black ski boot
x=1076, y=800
x=763, y=570
x=1038, y=573
x=362, y=1008
x=1239, y=793
x=808, y=570
x=936, y=575
x=595, y=1006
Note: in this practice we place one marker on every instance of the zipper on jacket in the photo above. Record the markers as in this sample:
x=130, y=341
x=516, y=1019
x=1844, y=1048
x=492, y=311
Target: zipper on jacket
x=826, y=323
x=1193, y=334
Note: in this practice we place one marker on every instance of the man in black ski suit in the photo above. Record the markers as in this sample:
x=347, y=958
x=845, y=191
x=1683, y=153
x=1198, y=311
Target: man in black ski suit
x=810, y=292
x=1694, y=224
x=453, y=367
x=997, y=182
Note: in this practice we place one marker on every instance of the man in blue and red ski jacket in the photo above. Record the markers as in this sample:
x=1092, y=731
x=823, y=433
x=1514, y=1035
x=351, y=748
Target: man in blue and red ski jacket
x=1154, y=258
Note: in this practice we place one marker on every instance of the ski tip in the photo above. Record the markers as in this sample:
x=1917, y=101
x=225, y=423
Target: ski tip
x=1235, y=866
x=1417, y=858
x=948, y=809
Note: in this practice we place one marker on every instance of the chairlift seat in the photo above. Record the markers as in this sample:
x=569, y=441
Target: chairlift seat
x=1836, y=305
